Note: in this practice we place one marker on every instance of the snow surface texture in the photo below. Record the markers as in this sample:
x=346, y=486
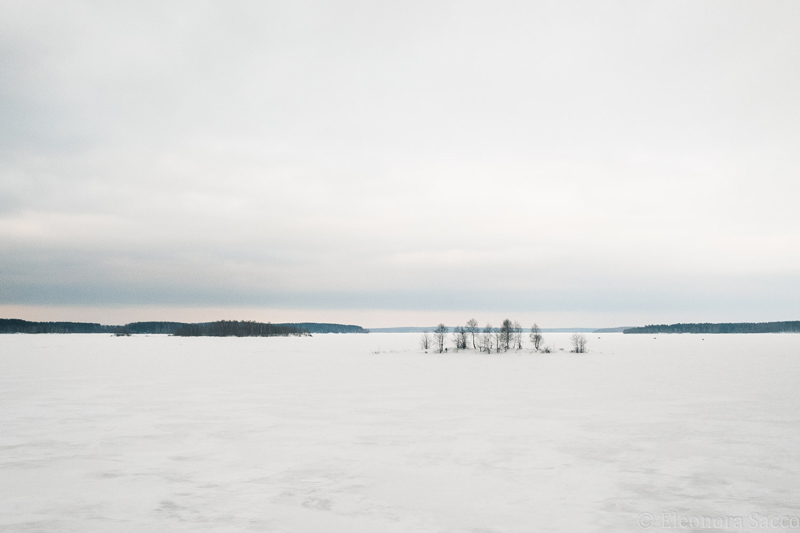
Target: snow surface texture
x=364, y=433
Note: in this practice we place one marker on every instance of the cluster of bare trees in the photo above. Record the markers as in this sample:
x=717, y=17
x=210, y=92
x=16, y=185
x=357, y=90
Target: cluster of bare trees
x=578, y=343
x=488, y=339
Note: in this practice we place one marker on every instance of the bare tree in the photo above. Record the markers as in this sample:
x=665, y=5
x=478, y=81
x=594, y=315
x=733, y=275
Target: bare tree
x=463, y=336
x=457, y=337
x=578, y=343
x=439, y=335
x=536, y=337
x=517, y=335
x=507, y=334
x=472, y=329
x=486, y=338
x=460, y=338
x=425, y=340
x=498, y=340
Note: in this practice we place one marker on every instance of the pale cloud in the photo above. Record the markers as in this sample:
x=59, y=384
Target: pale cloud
x=561, y=157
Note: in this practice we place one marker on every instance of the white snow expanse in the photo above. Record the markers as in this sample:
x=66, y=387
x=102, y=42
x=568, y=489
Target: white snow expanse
x=323, y=434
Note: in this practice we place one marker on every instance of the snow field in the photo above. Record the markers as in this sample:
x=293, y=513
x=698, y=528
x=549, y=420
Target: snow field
x=364, y=433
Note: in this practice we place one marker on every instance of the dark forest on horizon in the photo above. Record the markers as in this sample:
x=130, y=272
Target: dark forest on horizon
x=220, y=328
x=740, y=327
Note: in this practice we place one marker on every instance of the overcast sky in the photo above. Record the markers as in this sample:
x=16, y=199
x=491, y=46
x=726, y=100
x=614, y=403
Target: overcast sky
x=400, y=163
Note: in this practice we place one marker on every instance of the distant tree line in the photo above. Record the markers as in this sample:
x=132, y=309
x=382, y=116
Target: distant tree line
x=742, y=327
x=315, y=327
x=236, y=328
x=15, y=325
x=154, y=328
x=487, y=339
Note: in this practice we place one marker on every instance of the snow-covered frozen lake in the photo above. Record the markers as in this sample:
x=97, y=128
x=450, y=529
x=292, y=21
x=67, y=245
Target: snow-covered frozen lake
x=364, y=433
